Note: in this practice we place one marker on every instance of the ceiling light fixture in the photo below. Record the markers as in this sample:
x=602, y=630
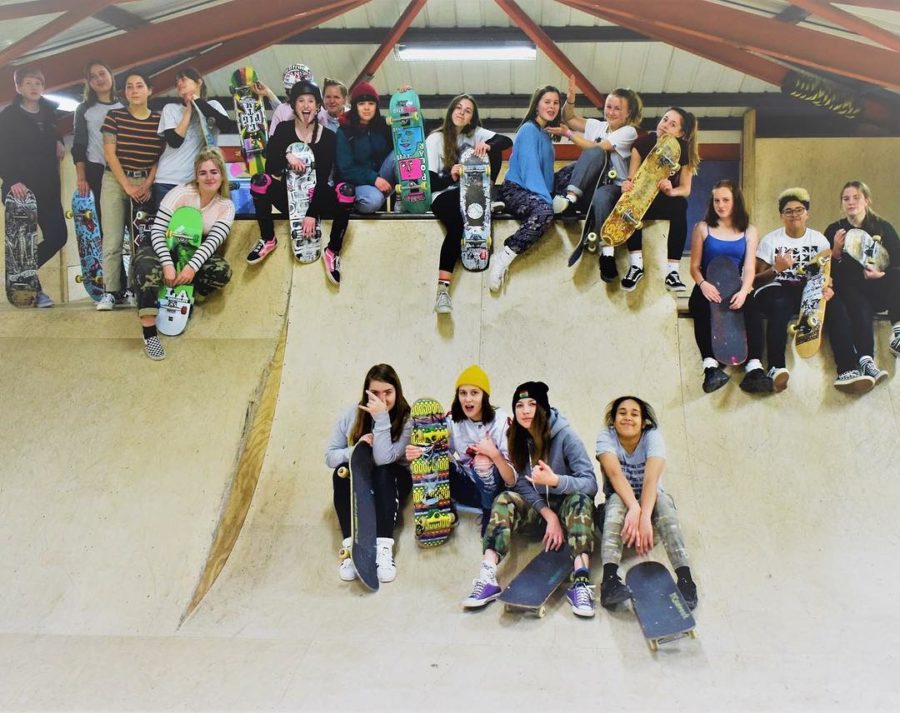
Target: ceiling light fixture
x=450, y=52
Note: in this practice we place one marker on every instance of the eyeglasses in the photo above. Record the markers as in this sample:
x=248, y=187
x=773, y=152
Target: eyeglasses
x=791, y=212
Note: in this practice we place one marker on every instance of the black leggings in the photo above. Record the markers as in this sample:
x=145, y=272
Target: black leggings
x=392, y=484
x=446, y=209
x=93, y=174
x=673, y=209
x=865, y=297
x=276, y=195
x=700, y=311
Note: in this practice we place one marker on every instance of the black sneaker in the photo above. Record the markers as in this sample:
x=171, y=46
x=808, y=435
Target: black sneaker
x=634, y=275
x=608, y=271
x=613, y=591
x=261, y=249
x=674, y=283
x=498, y=205
x=713, y=379
x=689, y=591
x=756, y=382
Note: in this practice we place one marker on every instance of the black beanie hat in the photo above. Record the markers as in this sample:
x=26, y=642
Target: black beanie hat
x=536, y=390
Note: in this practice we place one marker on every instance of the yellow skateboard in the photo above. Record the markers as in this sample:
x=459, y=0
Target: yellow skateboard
x=661, y=162
x=807, y=330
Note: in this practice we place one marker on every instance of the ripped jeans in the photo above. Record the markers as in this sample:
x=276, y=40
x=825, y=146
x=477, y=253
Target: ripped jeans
x=665, y=525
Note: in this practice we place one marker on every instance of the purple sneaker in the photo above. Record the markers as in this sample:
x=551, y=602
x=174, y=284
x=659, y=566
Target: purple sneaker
x=482, y=593
x=581, y=597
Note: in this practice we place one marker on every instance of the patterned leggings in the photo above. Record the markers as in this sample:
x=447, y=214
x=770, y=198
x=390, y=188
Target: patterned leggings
x=510, y=513
x=214, y=274
x=535, y=213
x=665, y=523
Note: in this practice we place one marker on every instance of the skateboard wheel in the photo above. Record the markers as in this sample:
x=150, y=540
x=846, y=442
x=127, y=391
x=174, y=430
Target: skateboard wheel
x=69, y=214
x=822, y=261
x=540, y=612
x=692, y=634
x=79, y=279
x=813, y=322
x=343, y=472
x=876, y=238
x=397, y=189
x=654, y=646
x=507, y=608
x=792, y=328
x=612, y=174
x=591, y=244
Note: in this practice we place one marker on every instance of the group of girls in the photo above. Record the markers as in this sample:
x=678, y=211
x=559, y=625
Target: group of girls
x=772, y=286
x=530, y=473
x=125, y=151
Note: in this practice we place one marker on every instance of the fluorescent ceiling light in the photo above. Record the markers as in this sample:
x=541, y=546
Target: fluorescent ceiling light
x=446, y=52
x=65, y=103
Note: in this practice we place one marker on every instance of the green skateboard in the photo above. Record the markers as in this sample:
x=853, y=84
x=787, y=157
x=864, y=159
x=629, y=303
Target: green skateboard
x=183, y=237
x=408, y=131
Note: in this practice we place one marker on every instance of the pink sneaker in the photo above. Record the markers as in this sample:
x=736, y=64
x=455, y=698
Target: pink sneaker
x=332, y=266
x=261, y=249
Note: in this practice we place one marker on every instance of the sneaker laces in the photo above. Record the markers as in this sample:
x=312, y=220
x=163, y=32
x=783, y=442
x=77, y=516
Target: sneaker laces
x=584, y=593
x=384, y=557
x=478, y=586
x=633, y=272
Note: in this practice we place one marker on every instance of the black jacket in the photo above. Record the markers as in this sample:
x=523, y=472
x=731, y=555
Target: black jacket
x=28, y=147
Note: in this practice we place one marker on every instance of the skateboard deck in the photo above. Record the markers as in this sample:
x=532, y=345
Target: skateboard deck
x=87, y=234
x=626, y=216
x=362, y=515
x=251, y=119
x=661, y=610
x=22, y=284
x=534, y=585
x=300, y=188
x=589, y=237
x=866, y=249
x=142, y=217
x=209, y=138
x=807, y=329
x=431, y=473
x=475, y=203
x=729, y=335
x=183, y=237
x=408, y=131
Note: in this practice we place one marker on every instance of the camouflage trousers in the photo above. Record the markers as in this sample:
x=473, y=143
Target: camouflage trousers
x=665, y=524
x=510, y=513
x=214, y=274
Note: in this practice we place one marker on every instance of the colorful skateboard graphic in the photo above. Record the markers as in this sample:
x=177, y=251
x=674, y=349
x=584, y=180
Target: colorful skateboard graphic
x=183, y=237
x=475, y=203
x=300, y=188
x=251, y=119
x=535, y=584
x=408, y=131
x=808, y=328
x=430, y=473
x=87, y=233
x=362, y=515
x=142, y=217
x=626, y=216
x=589, y=237
x=661, y=610
x=866, y=249
x=22, y=284
x=206, y=124
x=729, y=336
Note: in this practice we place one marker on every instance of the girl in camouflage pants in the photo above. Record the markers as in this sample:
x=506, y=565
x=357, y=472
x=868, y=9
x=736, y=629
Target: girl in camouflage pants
x=554, y=490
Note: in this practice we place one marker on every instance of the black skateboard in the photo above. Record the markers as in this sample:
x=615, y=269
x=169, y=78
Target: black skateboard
x=729, y=336
x=589, y=234
x=661, y=610
x=534, y=585
x=362, y=515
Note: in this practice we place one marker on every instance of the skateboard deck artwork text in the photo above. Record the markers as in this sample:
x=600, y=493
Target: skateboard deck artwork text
x=475, y=203
x=87, y=234
x=408, y=131
x=808, y=328
x=251, y=119
x=300, y=188
x=183, y=237
x=22, y=284
x=431, y=473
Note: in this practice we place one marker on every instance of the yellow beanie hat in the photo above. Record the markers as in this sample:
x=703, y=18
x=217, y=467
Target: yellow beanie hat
x=475, y=376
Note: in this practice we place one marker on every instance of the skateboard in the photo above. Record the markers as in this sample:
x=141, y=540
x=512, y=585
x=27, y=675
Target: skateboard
x=22, y=284
x=300, y=188
x=183, y=237
x=87, y=233
x=475, y=202
x=209, y=138
x=729, y=336
x=866, y=249
x=534, y=585
x=142, y=217
x=251, y=119
x=661, y=162
x=431, y=473
x=661, y=610
x=408, y=131
x=807, y=330
x=362, y=515
x=589, y=237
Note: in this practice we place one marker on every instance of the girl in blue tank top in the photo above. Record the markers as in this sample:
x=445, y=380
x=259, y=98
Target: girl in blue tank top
x=726, y=231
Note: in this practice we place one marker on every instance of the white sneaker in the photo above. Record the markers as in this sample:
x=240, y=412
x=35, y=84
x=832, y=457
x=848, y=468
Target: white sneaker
x=384, y=559
x=502, y=260
x=442, y=303
x=779, y=376
x=346, y=570
x=560, y=204
x=107, y=302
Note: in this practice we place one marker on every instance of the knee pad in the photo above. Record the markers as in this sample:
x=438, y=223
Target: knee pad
x=259, y=184
x=346, y=193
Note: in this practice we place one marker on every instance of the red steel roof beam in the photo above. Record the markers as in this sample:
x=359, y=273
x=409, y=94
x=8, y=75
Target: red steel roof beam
x=851, y=22
x=402, y=24
x=542, y=40
x=40, y=7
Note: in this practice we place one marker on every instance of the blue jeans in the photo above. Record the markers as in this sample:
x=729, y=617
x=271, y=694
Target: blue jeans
x=368, y=198
x=470, y=490
x=160, y=190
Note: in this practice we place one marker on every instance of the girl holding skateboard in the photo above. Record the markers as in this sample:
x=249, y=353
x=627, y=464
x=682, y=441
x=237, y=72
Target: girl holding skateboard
x=529, y=185
x=131, y=147
x=726, y=230
x=554, y=488
x=87, y=143
x=480, y=467
x=179, y=124
x=207, y=270
x=614, y=135
x=632, y=457
x=865, y=290
x=381, y=419
x=306, y=100
x=461, y=129
x=671, y=201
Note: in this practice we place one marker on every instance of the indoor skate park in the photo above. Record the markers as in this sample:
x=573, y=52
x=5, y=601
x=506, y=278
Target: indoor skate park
x=168, y=535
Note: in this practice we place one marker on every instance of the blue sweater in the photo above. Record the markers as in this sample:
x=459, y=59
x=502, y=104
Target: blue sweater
x=531, y=163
